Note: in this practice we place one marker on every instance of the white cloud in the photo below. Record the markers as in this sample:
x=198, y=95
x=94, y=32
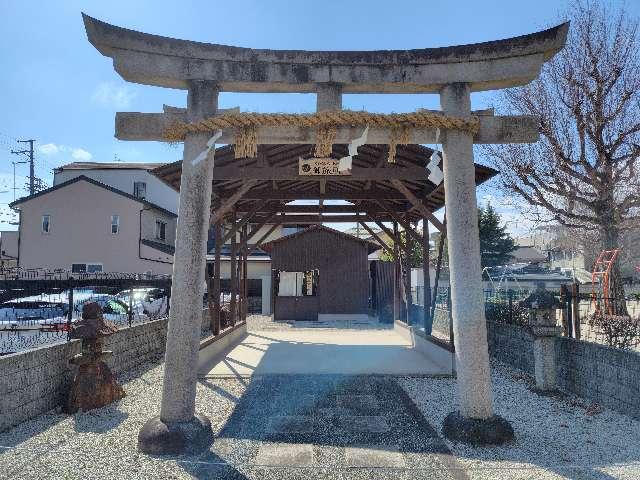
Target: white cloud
x=49, y=149
x=52, y=149
x=81, y=154
x=108, y=94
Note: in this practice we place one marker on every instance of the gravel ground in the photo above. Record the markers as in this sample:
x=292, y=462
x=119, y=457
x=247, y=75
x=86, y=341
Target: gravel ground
x=556, y=437
x=332, y=416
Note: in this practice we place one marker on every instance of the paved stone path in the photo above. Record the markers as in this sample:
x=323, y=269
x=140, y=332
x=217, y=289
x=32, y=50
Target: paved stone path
x=326, y=426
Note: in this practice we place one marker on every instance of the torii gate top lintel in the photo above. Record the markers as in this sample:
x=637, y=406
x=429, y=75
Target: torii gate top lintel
x=483, y=66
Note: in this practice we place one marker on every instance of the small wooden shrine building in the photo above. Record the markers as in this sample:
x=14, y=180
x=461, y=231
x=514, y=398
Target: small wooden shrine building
x=319, y=272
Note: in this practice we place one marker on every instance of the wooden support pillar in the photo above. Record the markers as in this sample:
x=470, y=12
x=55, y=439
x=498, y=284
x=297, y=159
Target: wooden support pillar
x=434, y=298
x=234, y=276
x=405, y=272
x=396, y=292
x=426, y=279
x=216, y=278
x=245, y=265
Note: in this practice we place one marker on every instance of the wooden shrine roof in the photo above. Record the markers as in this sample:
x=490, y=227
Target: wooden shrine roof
x=370, y=187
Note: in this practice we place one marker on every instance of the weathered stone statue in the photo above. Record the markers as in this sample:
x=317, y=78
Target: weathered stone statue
x=94, y=385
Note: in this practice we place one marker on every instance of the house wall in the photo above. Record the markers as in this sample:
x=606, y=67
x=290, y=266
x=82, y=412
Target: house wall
x=149, y=217
x=9, y=243
x=259, y=269
x=81, y=232
x=342, y=263
x=157, y=191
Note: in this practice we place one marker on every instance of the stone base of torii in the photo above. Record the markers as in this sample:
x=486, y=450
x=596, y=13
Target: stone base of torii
x=204, y=70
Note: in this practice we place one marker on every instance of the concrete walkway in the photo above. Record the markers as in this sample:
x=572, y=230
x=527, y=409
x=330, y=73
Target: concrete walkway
x=326, y=351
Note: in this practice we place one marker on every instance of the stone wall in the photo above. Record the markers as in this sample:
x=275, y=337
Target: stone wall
x=441, y=323
x=512, y=345
x=36, y=381
x=607, y=375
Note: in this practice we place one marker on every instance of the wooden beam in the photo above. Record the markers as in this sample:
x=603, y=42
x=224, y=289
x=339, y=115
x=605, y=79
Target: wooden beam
x=322, y=218
x=236, y=172
x=258, y=226
x=395, y=237
x=417, y=203
x=243, y=221
x=270, y=194
x=229, y=202
x=407, y=227
x=377, y=238
x=263, y=238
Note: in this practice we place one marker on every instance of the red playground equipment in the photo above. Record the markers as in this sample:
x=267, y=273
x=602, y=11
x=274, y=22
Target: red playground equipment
x=601, y=270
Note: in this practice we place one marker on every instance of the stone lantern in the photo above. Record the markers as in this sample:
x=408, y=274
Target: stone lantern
x=94, y=385
x=544, y=328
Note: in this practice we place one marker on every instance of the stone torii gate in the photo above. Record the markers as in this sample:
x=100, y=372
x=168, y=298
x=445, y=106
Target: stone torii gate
x=204, y=70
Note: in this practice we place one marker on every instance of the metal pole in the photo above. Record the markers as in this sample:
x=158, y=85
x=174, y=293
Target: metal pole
x=70, y=304
x=131, y=305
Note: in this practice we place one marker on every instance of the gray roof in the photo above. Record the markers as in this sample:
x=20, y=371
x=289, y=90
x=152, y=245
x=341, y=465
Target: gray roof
x=110, y=166
x=97, y=184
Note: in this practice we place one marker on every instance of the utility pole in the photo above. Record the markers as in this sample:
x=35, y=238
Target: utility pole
x=14, y=178
x=29, y=153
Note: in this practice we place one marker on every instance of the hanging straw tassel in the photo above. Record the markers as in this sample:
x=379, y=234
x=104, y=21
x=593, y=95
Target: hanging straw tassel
x=325, y=136
x=399, y=136
x=246, y=143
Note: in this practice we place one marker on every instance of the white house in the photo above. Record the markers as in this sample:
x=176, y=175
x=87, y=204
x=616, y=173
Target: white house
x=132, y=178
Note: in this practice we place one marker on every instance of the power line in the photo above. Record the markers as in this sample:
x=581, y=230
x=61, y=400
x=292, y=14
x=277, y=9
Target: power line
x=29, y=153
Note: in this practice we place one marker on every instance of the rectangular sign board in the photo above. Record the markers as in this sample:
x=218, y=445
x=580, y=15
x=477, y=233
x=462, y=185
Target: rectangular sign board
x=320, y=167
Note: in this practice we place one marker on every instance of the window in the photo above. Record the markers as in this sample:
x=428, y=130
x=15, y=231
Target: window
x=46, y=224
x=94, y=267
x=115, y=224
x=140, y=189
x=79, y=268
x=298, y=284
x=86, y=267
x=161, y=230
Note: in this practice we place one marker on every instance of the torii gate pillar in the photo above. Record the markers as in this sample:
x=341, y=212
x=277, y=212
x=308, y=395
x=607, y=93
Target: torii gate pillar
x=475, y=420
x=178, y=428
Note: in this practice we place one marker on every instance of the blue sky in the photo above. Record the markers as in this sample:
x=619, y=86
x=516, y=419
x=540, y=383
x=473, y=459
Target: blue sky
x=58, y=89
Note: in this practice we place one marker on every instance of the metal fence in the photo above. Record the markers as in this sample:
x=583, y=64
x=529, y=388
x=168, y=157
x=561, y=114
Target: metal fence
x=38, y=308
x=612, y=321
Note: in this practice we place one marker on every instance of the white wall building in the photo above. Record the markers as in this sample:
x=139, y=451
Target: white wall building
x=132, y=178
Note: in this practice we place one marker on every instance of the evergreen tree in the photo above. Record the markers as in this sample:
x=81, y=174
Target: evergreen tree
x=496, y=244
